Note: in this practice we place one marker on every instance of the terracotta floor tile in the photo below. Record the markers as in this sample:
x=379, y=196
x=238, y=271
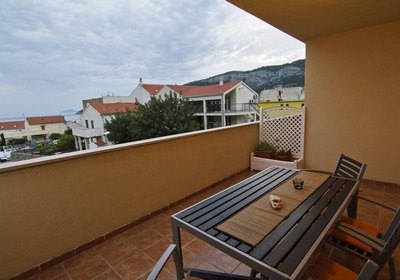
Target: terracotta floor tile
x=164, y=275
x=163, y=228
x=115, y=252
x=86, y=265
x=51, y=273
x=112, y=242
x=242, y=269
x=205, y=265
x=134, y=266
x=186, y=237
x=145, y=238
x=200, y=248
x=161, y=218
x=156, y=250
x=223, y=262
x=392, y=199
x=108, y=275
x=135, y=230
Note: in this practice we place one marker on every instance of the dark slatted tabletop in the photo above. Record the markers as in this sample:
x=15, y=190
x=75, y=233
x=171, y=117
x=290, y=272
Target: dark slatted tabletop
x=288, y=243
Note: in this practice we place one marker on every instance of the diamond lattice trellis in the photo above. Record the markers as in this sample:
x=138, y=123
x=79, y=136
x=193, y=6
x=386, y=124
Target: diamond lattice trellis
x=284, y=127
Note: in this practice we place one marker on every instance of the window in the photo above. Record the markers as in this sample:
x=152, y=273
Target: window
x=43, y=127
x=92, y=123
x=87, y=123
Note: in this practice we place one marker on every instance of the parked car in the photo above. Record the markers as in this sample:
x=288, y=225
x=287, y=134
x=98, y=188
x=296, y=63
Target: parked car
x=5, y=154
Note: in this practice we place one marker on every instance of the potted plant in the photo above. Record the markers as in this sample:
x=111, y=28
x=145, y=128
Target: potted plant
x=265, y=150
x=284, y=155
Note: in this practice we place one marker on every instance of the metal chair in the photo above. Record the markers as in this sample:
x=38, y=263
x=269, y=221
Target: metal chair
x=325, y=268
x=171, y=250
x=382, y=251
x=378, y=248
x=349, y=168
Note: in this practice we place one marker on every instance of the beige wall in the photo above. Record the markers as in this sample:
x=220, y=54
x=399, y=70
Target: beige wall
x=353, y=100
x=49, y=207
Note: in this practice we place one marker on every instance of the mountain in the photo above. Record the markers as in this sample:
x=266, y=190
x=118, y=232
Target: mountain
x=289, y=74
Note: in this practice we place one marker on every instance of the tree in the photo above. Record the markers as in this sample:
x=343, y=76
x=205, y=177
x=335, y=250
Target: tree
x=54, y=136
x=162, y=116
x=66, y=142
x=2, y=140
x=118, y=128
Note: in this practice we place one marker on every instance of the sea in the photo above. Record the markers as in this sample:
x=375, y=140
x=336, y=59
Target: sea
x=69, y=115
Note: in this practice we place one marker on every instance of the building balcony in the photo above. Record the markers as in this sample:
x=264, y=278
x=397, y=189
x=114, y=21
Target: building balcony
x=241, y=108
x=132, y=253
x=229, y=108
x=57, y=206
x=104, y=214
x=87, y=132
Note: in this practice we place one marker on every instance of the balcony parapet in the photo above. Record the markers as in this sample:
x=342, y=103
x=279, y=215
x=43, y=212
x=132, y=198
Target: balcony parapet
x=51, y=205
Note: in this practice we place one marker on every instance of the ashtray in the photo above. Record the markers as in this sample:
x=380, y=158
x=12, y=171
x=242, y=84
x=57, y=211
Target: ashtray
x=298, y=183
x=275, y=201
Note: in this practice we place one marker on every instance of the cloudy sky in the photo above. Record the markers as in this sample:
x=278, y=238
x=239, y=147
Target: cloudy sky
x=54, y=53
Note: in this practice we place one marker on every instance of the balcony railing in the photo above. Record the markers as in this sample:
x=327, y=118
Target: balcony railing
x=234, y=107
x=240, y=107
x=87, y=132
x=213, y=124
x=50, y=206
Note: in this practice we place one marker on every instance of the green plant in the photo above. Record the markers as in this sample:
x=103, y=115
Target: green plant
x=283, y=152
x=265, y=146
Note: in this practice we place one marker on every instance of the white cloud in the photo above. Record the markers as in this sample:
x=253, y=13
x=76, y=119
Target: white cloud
x=56, y=50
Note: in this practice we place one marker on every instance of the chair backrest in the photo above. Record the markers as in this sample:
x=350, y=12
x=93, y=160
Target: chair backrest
x=349, y=168
x=391, y=238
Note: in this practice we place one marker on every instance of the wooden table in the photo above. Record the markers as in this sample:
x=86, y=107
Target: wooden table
x=277, y=243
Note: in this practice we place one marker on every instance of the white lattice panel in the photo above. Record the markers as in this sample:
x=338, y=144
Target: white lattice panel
x=284, y=127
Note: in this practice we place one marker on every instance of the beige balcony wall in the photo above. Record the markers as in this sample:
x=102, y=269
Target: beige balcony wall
x=49, y=206
x=353, y=99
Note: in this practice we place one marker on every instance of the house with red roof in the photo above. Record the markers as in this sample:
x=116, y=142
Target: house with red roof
x=216, y=105
x=36, y=128
x=91, y=133
x=13, y=129
x=41, y=127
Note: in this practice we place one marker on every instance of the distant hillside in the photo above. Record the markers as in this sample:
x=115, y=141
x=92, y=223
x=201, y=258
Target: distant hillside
x=289, y=74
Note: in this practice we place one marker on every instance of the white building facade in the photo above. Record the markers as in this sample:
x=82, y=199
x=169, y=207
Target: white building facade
x=216, y=105
x=282, y=94
x=91, y=133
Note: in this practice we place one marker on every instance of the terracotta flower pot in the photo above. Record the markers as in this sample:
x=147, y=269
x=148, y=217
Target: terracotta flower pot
x=284, y=157
x=264, y=154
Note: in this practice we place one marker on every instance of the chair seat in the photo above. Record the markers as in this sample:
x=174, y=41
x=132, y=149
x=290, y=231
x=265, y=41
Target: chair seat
x=326, y=269
x=338, y=235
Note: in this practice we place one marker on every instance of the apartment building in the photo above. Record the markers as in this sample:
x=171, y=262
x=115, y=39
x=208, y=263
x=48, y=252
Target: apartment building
x=91, y=133
x=216, y=105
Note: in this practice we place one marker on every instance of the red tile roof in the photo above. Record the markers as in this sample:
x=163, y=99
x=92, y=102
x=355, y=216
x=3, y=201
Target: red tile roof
x=193, y=91
x=152, y=88
x=45, y=120
x=12, y=125
x=113, y=108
